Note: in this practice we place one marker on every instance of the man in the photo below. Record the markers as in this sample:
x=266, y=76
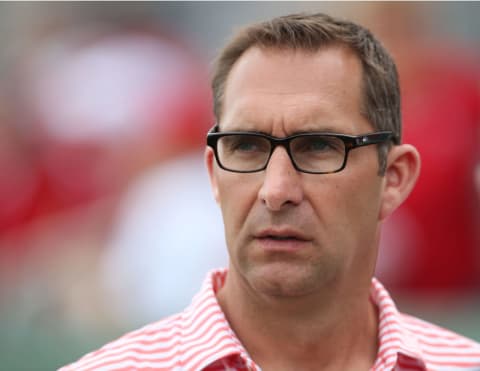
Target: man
x=305, y=162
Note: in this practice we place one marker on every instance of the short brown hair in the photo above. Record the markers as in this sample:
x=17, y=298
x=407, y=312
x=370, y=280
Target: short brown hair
x=311, y=32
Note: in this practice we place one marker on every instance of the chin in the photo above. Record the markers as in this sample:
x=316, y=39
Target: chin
x=283, y=280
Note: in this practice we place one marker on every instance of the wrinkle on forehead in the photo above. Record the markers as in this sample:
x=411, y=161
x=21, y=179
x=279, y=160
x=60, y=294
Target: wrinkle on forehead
x=304, y=113
x=292, y=90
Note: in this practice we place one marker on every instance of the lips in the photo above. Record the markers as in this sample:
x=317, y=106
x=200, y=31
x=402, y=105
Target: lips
x=281, y=234
x=281, y=239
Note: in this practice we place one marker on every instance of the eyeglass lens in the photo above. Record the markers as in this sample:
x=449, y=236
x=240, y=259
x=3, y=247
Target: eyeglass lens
x=315, y=153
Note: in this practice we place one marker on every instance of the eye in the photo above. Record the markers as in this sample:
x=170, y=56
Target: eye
x=318, y=144
x=244, y=144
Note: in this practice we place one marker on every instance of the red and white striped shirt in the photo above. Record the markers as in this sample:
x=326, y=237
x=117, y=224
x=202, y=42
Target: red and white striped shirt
x=200, y=338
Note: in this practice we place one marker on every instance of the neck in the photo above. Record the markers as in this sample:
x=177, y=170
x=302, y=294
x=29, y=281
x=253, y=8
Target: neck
x=334, y=330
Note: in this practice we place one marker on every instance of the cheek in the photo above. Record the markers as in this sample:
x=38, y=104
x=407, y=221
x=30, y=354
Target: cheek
x=347, y=208
x=332, y=209
x=237, y=196
x=360, y=206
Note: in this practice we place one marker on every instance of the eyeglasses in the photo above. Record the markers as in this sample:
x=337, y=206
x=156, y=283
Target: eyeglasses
x=315, y=153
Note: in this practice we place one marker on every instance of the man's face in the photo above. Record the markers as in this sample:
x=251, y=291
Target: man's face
x=290, y=233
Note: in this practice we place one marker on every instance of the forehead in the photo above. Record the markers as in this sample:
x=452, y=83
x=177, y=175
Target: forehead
x=295, y=90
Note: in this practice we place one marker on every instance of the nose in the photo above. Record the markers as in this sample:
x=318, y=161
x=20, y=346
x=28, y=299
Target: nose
x=282, y=184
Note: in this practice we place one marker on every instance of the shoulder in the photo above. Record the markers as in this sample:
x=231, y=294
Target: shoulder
x=153, y=346
x=425, y=331
x=441, y=347
x=185, y=341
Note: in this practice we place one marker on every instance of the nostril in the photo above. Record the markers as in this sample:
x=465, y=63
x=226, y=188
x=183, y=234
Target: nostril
x=280, y=187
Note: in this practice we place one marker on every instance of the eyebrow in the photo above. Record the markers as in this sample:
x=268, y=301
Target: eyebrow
x=306, y=130
x=239, y=127
x=326, y=129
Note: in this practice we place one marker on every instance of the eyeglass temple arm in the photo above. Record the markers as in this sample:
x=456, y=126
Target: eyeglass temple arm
x=375, y=138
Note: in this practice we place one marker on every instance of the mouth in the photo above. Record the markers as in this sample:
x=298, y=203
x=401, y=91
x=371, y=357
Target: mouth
x=282, y=233
x=281, y=240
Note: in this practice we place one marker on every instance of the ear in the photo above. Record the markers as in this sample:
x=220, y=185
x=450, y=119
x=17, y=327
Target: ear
x=210, y=164
x=401, y=174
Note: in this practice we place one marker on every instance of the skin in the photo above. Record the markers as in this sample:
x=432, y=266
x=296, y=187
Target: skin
x=302, y=303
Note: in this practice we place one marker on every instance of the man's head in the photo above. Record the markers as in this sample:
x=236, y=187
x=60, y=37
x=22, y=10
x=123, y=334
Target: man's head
x=292, y=232
x=310, y=33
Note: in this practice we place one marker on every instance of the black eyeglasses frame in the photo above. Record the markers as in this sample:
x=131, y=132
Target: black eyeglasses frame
x=350, y=141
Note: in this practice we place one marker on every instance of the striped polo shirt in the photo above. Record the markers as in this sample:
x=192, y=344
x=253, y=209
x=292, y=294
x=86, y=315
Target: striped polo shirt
x=200, y=338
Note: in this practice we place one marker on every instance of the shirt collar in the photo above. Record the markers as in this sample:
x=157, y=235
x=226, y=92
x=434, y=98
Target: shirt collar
x=205, y=316
x=396, y=343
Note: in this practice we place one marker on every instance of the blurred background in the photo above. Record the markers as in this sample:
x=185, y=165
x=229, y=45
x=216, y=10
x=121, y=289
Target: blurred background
x=106, y=217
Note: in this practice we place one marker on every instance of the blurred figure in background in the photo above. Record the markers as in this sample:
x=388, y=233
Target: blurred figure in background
x=431, y=245
x=108, y=102
x=19, y=182
x=96, y=107
x=167, y=220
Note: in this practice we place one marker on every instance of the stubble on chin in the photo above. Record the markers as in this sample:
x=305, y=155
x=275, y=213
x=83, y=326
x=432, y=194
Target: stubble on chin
x=288, y=277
